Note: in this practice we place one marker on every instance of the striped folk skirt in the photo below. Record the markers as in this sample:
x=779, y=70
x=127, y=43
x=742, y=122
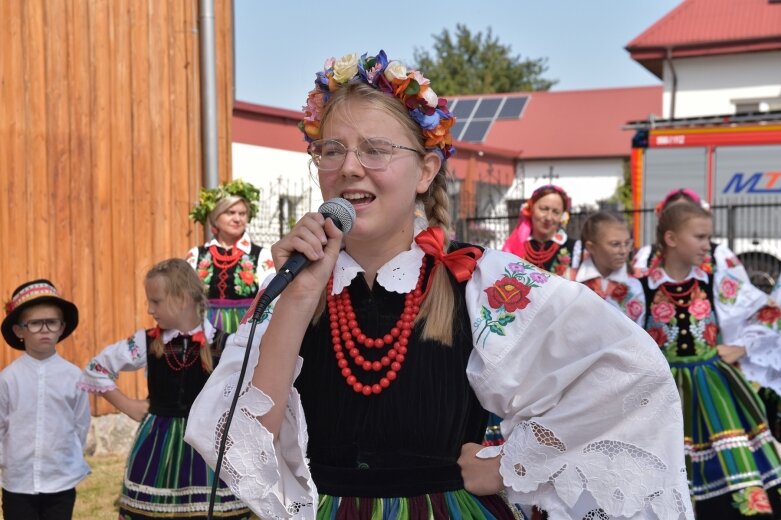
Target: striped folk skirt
x=732, y=462
x=459, y=504
x=166, y=478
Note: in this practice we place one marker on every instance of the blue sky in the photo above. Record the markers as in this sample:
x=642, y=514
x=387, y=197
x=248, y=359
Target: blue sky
x=280, y=45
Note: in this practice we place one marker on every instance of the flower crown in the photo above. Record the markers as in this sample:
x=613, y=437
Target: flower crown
x=209, y=197
x=428, y=110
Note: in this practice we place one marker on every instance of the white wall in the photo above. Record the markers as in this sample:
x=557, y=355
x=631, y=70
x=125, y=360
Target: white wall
x=276, y=173
x=585, y=180
x=710, y=85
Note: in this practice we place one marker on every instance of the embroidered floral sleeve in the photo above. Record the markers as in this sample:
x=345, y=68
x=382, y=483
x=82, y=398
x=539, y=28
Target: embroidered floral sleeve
x=269, y=475
x=102, y=371
x=591, y=415
x=725, y=261
x=192, y=258
x=750, y=319
x=265, y=264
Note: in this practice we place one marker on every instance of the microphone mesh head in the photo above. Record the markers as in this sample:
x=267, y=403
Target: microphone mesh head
x=340, y=211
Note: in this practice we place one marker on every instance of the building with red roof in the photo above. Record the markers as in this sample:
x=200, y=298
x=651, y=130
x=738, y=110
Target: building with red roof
x=715, y=57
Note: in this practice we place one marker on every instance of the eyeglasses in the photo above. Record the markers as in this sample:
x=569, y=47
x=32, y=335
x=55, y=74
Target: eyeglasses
x=374, y=153
x=36, y=326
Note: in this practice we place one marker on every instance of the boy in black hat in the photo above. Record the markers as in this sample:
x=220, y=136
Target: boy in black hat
x=44, y=418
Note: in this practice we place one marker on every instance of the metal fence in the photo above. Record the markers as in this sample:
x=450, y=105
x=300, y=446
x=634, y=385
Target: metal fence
x=752, y=231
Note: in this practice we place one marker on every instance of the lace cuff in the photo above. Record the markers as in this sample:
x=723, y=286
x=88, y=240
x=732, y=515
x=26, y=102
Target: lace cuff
x=600, y=480
x=97, y=379
x=269, y=475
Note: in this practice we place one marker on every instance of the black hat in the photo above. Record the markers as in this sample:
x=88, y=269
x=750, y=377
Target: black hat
x=33, y=293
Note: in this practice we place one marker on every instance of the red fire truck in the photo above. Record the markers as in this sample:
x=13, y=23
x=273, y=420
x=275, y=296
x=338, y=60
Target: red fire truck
x=733, y=162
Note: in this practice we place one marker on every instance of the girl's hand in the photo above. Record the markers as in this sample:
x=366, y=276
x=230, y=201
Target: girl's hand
x=136, y=409
x=481, y=476
x=319, y=240
x=730, y=353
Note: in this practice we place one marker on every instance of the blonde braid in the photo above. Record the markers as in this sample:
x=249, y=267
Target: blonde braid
x=437, y=308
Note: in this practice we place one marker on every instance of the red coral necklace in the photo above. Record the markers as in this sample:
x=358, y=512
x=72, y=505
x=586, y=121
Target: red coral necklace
x=542, y=256
x=677, y=296
x=225, y=261
x=344, y=328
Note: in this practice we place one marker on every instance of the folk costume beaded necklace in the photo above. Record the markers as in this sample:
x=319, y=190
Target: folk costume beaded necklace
x=676, y=293
x=189, y=355
x=347, y=337
x=224, y=262
x=344, y=328
x=539, y=257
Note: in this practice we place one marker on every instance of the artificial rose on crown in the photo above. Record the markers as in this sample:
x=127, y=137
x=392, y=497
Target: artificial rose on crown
x=392, y=77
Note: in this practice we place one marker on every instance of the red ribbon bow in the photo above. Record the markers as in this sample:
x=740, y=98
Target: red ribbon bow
x=199, y=338
x=154, y=333
x=461, y=263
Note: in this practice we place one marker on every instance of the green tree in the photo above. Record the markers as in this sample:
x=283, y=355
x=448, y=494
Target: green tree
x=467, y=63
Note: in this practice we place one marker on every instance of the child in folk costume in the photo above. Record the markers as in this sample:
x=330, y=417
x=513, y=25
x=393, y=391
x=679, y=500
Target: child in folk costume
x=230, y=266
x=165, y=478
x=704, y=323
x=608, y=243
x=374, y=368
x=44, y=418
x=720, y=256
x=540, y=239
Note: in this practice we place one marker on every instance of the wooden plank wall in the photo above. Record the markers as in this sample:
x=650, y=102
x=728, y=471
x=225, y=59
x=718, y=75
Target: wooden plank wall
x=100, y=161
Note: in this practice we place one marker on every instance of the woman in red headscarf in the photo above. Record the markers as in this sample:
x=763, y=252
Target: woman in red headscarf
x=540, y=238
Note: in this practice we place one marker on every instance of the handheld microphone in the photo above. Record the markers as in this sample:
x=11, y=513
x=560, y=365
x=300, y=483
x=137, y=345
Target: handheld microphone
x=342, y=213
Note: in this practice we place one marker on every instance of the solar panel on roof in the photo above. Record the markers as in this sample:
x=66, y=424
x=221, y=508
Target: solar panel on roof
x=464, y=108
x=476, y=131
x=487, y=108
x=512, y=108
x=458, y=126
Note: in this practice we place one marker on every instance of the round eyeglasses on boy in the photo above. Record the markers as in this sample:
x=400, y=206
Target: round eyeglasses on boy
x=374, y=153
x=36, y=326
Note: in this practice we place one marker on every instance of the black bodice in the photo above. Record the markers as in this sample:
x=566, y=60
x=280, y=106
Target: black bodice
x=406, y=440
x=172, y=392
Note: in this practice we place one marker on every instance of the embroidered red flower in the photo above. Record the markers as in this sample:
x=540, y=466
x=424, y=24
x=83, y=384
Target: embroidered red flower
x=619, y=292
x=769, y=314
x=248, y=277
x=758, y=500
x=203, y=273
x=663, y=312
x=711, y=334
x=659, y=336
x=700, y=309
x=732, y=261
x=509, y=292
x=634, y=309
x=728, y=288
x=565, y=259
x=561, y=269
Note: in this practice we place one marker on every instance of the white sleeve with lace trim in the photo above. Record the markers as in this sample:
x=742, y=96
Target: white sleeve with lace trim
x=270, y=475
x=750, y=319
x=591, y=415
x=102, y=371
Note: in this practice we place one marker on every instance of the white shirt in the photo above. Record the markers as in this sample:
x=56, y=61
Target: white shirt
x=44, y=420
x=589, y=407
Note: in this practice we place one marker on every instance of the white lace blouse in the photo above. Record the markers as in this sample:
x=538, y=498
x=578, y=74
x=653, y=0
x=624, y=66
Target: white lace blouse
x=592, y=417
